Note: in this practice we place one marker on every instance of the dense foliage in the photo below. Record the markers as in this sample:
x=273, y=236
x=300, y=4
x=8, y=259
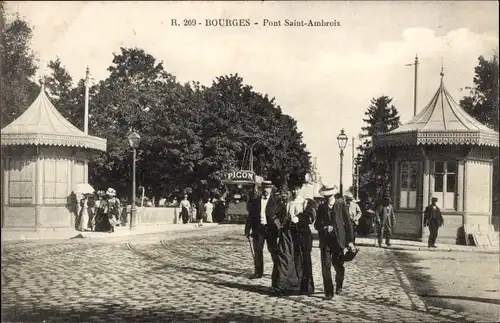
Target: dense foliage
x=482, y=104
x=191, y=134
x=375, y=172
x=17, y=68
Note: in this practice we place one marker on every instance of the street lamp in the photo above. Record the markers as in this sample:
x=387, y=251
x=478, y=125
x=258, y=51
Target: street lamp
x=342, y=141
x=133, y=139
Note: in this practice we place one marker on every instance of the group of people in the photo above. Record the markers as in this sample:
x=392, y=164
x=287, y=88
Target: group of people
x=283, y=224
x=101, y=211
x=193, y=213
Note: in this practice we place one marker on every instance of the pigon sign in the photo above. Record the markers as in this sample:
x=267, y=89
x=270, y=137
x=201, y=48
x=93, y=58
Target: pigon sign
x=240, y=175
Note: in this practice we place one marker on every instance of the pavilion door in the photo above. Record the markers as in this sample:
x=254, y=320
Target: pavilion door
x=445, y=184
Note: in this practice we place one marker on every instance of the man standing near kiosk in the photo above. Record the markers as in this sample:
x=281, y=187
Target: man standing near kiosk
x=261, y=226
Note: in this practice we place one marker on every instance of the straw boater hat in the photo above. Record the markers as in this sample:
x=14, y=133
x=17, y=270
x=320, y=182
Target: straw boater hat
x=348, y=196
x=329, y=190
x=111, y=192
x=267, y=184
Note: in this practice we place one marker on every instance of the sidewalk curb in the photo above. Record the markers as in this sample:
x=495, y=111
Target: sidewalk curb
x=20, y=236
x=398, y=246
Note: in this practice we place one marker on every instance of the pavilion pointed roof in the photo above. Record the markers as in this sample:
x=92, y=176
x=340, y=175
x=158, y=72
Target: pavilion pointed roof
x=441, y=122
x=42, y=124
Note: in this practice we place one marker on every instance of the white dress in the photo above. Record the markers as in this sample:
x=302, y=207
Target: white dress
x=209, y=207
x=84, y=216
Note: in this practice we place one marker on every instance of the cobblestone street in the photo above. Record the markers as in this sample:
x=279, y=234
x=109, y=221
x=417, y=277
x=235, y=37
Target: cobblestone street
x=193, y=277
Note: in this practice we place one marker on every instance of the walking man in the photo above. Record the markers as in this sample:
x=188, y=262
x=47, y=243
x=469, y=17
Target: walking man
x=433, y=219
x=335, y=235
x=261, y=226
x=384, y=221
x=354, y=214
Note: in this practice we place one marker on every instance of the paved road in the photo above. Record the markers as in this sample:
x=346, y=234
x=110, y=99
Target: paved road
x=193, y=277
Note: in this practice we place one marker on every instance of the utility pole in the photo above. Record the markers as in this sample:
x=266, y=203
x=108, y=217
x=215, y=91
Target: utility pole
x=86, y=115
x=415, y=85
x=353, y=166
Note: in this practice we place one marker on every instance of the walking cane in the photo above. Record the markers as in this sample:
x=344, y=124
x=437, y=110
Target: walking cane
x=251, y=248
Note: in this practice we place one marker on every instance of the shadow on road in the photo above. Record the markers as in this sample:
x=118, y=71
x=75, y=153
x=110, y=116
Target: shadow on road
x=121, y=313
x=422, y=282
x=465, y=298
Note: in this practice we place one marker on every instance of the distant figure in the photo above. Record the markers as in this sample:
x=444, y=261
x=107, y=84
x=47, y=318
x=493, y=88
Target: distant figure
x=162, y=202
x=185, y=206
x=113, y=208
x=200, y=215
x=433, y=219
x=354, y=213
x=192, y=212
x=84, y=213
x=384, y=221
x=209, y=207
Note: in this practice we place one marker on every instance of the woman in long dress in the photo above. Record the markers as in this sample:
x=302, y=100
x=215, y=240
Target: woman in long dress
x=305, y=242
x=287, y=270
x=84, y=214
x=209, y=207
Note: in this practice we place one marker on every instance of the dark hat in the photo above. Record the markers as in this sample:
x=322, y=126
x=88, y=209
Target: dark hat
x=434, y=198
x=350, y=254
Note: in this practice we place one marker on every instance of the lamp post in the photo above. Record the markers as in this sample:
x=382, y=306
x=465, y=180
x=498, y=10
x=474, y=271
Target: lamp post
x=342, y=141
x=133, y=139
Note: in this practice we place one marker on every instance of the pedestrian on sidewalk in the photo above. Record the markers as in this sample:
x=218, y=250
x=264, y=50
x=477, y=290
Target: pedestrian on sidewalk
x=84, y=214
x=335, y=235
x=200, y=215
x=433, y=219
x=261, y=226
x=192, y=213
x=209, y=207
x=185, y=206
x=385, y=219
x=114, y=206
x=354, y=213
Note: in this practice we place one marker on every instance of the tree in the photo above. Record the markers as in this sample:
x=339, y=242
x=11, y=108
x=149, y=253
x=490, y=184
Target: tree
x=482, y=104
x=374, y=171
x=190, y=133
x=66, y=97
x=17, y=69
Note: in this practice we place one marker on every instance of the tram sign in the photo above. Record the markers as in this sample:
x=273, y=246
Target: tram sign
x=241, y=175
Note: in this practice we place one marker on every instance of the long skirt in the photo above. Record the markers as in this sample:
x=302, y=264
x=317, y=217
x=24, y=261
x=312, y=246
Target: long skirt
x=305, y=242
x=102, y=222
x=287, y=269
x=84, y=220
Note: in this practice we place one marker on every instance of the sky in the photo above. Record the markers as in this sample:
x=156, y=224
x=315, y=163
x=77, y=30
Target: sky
x=324, y=77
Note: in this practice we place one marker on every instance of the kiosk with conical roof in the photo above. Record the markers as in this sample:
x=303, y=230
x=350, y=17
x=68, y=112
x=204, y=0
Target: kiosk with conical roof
x=44, y=157
x=442, y=152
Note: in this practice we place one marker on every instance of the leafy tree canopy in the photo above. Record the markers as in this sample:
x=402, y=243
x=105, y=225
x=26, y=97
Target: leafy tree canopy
x=17, y=69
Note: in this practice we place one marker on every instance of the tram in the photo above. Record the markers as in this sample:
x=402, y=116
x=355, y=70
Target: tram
x=241, y=186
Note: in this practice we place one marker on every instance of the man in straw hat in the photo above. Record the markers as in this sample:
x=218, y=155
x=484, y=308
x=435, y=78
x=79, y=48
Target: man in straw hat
x=261, y=226
x=335, y=235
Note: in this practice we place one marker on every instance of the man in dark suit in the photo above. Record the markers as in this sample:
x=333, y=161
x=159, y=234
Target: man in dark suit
x=261, y=226
x=335, y=235
x=433, y=219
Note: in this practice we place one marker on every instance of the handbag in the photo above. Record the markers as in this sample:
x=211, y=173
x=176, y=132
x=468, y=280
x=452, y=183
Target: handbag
x=350, y=254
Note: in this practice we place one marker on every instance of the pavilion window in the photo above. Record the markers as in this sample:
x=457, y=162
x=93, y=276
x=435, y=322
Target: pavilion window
x=408, y=185
x=445, y=183
x=55, y=181
x=20, y=182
